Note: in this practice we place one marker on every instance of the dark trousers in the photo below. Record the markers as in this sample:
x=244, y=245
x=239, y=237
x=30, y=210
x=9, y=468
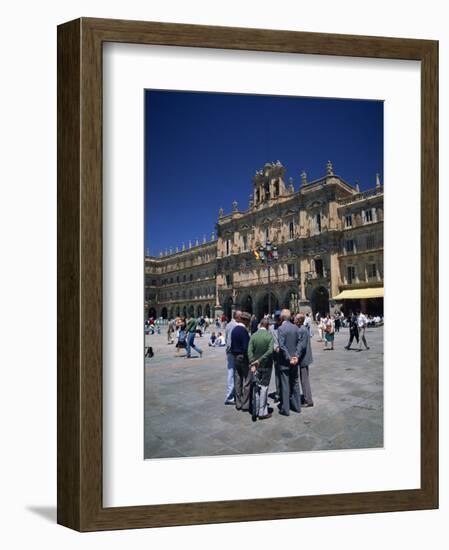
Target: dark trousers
x=289, y=386
x=276, y=374
x=352, y=335
x=242, y=382
x=305, y=384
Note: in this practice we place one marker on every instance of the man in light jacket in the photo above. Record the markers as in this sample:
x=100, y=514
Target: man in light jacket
x=290, y=350
x=305, y=359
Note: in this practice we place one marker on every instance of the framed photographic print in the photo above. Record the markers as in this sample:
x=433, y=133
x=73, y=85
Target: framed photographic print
x=247, y=259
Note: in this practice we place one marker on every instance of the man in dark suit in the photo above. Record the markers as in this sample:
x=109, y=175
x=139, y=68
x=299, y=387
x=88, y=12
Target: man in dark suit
x=304, y=360
x=254, y=324
x=353, y=330
x=242, y=374
x=290, y=349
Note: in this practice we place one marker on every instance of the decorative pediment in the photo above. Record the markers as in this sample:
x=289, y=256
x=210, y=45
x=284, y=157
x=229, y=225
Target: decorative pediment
x=315, y=204
x=245, y=227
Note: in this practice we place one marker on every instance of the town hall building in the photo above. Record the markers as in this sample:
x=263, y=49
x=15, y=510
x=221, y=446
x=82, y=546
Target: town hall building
x=316, y=248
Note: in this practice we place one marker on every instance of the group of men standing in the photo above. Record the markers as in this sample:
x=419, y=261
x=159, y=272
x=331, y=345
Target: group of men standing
x=284, y=345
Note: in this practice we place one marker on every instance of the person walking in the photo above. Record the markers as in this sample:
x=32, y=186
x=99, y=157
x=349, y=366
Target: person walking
x=260, y=357
x=321, y=327
x=305, y=359
x=362, y=322
x=230, y=392
x=171, y=331
x=353, y=330
x=182, y=336
x=308, y=324
x=337, y=321
x=329, y=332
x=239, y=349
x=289, y=348
x=191, y=333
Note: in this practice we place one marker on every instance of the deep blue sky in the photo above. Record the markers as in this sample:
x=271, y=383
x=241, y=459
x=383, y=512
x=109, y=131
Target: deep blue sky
x=202, y=149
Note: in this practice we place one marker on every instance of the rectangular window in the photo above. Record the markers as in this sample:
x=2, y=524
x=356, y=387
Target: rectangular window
x=372, y=271
x=291, y=230
x=368, y=216
x=348, y=220
x=319, y=267
x=291, y=270
x=370, y=242
x=228, y=280
x=267, y=233
x=318, y=223
x=350, y=246
x=351, y=274
x=228, y=247
x=245, y=243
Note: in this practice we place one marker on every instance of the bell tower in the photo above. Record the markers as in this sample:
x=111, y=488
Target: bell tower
x=269, y=184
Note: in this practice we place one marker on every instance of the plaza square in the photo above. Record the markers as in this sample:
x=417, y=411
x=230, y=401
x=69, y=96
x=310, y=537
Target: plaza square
x=185, y=415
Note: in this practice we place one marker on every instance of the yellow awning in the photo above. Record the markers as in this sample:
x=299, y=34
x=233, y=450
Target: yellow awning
x=360, y=293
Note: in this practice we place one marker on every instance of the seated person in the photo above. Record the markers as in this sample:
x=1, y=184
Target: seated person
x=220, y=341
x=212, y=339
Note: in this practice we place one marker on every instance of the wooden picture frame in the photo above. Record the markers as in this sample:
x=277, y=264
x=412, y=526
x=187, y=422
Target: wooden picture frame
x=80, y=418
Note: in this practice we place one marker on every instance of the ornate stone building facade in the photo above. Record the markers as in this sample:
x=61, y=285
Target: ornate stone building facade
x=329, y=240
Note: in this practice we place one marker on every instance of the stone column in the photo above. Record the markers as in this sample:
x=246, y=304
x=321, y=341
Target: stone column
x=335, y=274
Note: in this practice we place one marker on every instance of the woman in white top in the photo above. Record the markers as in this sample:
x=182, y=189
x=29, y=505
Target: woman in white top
x=321, y=327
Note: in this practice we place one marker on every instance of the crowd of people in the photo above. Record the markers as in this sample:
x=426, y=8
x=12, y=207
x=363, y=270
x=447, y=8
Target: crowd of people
x=254, y=352
x=279, y=343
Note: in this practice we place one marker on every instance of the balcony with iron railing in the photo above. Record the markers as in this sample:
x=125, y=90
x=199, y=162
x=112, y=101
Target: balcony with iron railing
x=370, y=244
x=363, y=195
x=260, y=280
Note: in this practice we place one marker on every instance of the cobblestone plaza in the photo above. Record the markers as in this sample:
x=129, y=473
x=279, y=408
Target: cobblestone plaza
x=185, y=415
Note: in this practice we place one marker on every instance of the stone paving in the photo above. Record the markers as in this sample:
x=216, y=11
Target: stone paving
x=185, y=415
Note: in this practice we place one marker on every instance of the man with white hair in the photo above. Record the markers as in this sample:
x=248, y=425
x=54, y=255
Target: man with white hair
x=290, y=350
x=304, y=359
